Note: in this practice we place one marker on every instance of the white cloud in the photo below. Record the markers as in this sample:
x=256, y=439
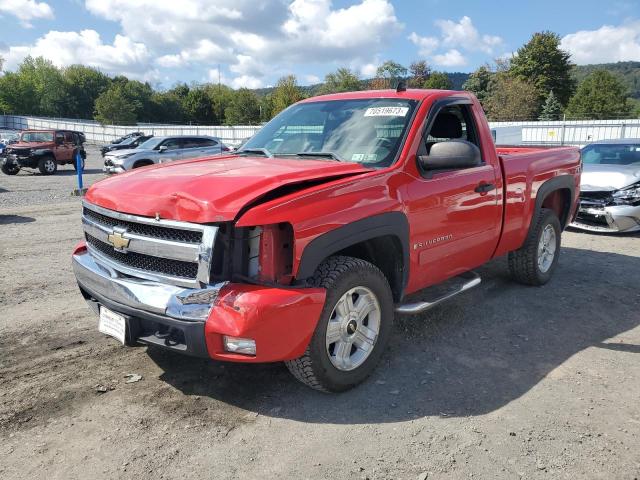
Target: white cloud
x=26, y=10
x=246, y=81
x=369, y=70
x=452, y=58
x=86, y=47
x=312, y=79
x=606, y=44
x=426, y=45
x=465, y=35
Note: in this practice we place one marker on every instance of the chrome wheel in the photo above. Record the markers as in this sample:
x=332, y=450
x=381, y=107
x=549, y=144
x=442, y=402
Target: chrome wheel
x=353, y=328
x=49, y=165
x=546, y=248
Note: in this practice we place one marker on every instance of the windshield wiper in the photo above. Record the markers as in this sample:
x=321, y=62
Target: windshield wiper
x=263, y=151
x=331, y=155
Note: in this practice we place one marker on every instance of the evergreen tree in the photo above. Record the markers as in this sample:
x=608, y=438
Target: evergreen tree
x=552, y=108
x=438, y=81
x=286, y=93
x=601, y=95
x=478, y=83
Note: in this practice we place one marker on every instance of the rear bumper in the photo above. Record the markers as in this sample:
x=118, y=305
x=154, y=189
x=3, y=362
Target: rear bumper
x=194, y=321
x=619, y=218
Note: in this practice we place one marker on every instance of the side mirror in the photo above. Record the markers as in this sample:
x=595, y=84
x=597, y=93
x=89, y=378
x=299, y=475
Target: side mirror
x=163, y=149
x=451, y=154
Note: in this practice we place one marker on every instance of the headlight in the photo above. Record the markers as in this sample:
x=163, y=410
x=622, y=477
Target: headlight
x=120, y=158
x=627, y=195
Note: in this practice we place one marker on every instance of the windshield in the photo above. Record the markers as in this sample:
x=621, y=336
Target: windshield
x=367, y=131
x=37, y=137
x=150, y=144
x=611, y=154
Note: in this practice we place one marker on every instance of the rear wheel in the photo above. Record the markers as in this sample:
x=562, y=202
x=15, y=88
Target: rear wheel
x=353, y=329
x=47, y=165
x=535, y=262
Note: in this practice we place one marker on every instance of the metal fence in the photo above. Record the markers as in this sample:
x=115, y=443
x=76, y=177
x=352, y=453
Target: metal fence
x=98, y=134
x=570, y=132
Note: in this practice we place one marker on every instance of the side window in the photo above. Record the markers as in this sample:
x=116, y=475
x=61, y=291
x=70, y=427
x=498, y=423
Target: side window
x=59, y=138
x=190, y=142
x=207, y=142
x=172, y=143
x=68, y=137
x=454, y=122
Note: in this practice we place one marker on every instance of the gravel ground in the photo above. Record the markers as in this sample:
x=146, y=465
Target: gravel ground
x=504, y=382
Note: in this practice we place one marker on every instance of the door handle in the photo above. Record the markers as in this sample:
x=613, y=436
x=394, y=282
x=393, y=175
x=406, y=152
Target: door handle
x=485, y=187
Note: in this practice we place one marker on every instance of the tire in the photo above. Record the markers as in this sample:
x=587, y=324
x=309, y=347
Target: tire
x=321, y=366
x=535, y=262
x=10, y=169
x=47, y=165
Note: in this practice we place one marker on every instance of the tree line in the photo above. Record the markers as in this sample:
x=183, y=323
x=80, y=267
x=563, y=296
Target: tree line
x=536, y=83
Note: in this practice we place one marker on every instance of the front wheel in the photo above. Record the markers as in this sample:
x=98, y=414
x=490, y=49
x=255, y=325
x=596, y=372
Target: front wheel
x=10, y=168
x=353, y=329
x=47, y=165
x=535, y=261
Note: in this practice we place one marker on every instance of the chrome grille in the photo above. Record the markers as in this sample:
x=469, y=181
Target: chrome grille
x=168, y=251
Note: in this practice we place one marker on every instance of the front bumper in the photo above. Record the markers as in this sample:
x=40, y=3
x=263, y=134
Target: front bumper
x=194, y=321
x=22, y=161
x=613, y=219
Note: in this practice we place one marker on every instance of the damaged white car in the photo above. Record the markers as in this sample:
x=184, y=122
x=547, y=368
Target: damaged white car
x=610, y=189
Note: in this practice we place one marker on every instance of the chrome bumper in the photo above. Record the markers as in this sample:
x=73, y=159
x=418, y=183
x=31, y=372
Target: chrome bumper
x=102, y=281
x=618, y=218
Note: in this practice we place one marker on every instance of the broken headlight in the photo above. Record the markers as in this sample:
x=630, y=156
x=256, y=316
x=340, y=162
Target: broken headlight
x=627, y=196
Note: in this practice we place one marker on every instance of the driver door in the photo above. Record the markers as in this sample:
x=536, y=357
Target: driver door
x=455, y=214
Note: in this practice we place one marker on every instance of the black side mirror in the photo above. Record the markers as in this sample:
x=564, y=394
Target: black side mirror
x=451, y=154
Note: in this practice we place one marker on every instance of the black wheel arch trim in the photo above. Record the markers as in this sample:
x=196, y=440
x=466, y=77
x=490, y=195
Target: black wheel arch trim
x=560, y=182
x=393, y=224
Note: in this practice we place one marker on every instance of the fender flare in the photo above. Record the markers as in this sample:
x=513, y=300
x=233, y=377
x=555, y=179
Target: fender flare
x=393, y=224
x=43, y=152
x=556, y=183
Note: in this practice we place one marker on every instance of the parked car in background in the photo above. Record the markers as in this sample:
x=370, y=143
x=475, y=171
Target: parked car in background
x=44, y=150
x=610, y=189
x=129, y=143
x=128, y=135
x=162, y=150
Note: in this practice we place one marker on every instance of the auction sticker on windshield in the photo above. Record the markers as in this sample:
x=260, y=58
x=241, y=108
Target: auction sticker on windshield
x=386, y=112
x=112, y=324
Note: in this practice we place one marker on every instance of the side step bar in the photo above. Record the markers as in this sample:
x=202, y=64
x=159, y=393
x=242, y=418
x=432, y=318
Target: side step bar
x=469, y=279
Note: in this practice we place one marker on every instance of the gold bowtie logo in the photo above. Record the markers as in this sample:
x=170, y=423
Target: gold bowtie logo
x=118, y=241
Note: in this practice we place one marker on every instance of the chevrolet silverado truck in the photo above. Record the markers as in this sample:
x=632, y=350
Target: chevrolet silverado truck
x=302, y=245
x=44, y=150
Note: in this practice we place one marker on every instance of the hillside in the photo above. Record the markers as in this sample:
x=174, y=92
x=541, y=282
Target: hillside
x=629, y=71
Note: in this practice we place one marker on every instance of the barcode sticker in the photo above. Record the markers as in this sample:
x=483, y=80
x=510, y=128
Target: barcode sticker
x=386, y=112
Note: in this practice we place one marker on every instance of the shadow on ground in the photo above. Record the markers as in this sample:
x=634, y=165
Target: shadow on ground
x=8, y=219
x=468, y=357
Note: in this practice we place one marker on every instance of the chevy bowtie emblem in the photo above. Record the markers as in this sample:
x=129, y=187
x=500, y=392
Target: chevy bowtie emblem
x=118, y=241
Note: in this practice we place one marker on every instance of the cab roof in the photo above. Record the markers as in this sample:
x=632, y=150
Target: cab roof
x=409, y=94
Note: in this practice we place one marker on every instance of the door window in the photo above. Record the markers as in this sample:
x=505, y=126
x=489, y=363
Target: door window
x=173, y=143
x=454, y=122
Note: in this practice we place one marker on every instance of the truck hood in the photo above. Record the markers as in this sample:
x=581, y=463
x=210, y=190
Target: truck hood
x=608, y=177
x=32, y=145
x=211, y=189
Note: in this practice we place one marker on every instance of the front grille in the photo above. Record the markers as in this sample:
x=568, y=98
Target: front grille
x=154, y=231
x=163, y=266
x=596, y=198
x=592, y=220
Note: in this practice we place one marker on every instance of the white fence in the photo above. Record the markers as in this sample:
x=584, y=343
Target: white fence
x=97, y=133
x=570, y=132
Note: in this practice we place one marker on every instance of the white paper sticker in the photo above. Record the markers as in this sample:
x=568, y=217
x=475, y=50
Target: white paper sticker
x=364, y=157
x=386, y=112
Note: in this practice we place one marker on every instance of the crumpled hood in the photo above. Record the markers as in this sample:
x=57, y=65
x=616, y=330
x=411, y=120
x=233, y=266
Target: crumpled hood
x=211, y=189
x=608, y=177
x=35, y=145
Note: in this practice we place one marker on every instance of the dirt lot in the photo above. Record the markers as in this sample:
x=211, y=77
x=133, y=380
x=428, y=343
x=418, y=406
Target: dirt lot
x=503, y=382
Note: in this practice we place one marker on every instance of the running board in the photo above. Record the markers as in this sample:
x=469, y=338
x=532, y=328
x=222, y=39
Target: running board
x=468, y=279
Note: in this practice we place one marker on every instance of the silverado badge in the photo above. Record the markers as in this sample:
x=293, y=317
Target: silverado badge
x=118, y=241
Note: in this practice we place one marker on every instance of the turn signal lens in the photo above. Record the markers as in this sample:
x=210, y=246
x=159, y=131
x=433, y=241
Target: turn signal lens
x=246, y=346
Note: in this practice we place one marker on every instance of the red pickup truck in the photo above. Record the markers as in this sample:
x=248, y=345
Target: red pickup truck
x=303, y=245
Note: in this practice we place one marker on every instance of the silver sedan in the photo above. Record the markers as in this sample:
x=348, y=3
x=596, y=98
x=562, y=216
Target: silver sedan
x=610, y=189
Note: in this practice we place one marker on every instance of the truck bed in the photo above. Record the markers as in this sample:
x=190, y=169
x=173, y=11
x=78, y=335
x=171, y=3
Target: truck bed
x=524, y=170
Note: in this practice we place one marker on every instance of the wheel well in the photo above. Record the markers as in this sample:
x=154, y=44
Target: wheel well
x=142, y=163
x=559, y=201
x=385, y=253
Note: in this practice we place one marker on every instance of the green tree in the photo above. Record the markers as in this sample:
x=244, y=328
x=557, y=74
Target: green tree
x=83, y=86
x=221, y=97
x=387, y=75
x=552, y=108
x=342, y=80
x=244, y=108
x=419, y=72
x=438, y=80
x=286, y=93
x=166, y=107
x=545, y=65
x=478, y=83
x=198, y=107
x=601, y=95
x=114, y=108
x=511, y=99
